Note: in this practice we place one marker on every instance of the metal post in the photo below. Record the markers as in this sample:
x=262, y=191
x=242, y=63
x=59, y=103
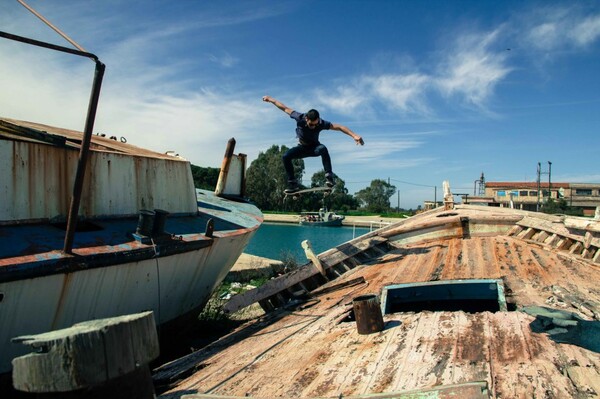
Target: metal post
x=537, y=205
x=87, y=134
x=549, y=180
x=83, y=157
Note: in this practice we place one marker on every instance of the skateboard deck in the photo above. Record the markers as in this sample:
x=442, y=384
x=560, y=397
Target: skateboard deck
x=298, y=194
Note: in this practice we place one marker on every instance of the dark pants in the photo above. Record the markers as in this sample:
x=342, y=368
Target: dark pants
x=305, y=151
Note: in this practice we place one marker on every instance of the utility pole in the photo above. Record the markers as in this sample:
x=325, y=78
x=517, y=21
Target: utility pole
x=549, y=180
x=539, y=184
x=537, y=205
x=481, y=183
x=398, y=201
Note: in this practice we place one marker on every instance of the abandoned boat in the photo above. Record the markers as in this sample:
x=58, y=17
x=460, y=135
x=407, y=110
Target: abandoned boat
x=323, y=218
x=92, y=227
x=464, y=301
x=144, y=239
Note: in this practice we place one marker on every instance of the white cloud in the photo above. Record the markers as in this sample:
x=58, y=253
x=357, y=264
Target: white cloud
x=586, y=31
x=560, y=28
x=344, y=99
x=372, y=150
x=472, y=70
x=402, y=92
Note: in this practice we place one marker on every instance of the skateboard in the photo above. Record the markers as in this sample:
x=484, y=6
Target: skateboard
x=298, y=194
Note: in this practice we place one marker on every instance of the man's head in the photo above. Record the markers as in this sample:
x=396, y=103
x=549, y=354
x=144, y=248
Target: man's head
x=312, y=118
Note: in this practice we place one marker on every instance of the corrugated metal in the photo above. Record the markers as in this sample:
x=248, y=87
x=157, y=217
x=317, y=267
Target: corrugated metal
x=37, y=180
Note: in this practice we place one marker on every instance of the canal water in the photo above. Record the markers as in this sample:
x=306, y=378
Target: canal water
x=282, y=240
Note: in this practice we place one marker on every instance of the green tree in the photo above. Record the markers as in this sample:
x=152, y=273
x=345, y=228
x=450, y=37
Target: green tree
x=205, y=178
x=561, y=206
x=376, y=197
x=266, y=179
x=338, y=200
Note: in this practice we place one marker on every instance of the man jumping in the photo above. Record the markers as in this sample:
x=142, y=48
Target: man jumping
x=308, y=127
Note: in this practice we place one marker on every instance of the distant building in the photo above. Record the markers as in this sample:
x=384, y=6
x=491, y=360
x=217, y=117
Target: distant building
x=427, y=205
x=530, y=196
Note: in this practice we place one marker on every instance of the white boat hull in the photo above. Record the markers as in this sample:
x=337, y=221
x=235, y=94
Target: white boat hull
x=170, y=286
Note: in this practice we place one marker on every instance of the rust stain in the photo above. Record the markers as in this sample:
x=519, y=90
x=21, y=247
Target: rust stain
x=61, y=301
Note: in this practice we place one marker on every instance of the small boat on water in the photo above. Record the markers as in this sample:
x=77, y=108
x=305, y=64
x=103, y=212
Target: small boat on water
x=92, y=227
x=465, y=302
x=321, y=218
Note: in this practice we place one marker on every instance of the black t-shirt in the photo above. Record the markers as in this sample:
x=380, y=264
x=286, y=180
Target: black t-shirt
x=305, y=134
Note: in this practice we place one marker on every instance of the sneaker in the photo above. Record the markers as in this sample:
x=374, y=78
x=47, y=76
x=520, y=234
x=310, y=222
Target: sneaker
x=329, y=180
x=292, y=187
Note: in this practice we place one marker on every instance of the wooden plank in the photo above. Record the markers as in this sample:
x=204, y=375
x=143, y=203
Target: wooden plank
x=596, y=257
x=550, y=227
x=541, y=236
x=349, y=250
x=576, y=248
x=272, y=287
x=450, y=221
x=515, y=230
x=527, y=233
x=552, y=240
x=582, y=224
x=580, y=376
x=310, y=255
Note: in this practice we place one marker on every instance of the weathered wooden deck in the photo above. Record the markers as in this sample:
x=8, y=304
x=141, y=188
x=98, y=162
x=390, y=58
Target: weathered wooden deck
x=311, y=348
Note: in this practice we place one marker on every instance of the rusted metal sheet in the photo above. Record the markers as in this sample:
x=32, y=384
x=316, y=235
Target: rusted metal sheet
x=38, y=181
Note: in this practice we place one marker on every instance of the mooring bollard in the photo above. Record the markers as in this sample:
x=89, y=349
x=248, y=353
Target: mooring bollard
x=106, y=358
x=367, y=313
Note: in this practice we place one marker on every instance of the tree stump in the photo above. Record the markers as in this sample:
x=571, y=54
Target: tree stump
x=93, y=359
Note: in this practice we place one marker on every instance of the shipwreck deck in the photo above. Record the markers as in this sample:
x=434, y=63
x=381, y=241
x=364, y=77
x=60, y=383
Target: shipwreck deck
x=311, y=348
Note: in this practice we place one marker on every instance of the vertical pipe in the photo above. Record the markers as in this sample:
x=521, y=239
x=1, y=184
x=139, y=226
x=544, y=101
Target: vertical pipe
x=225, y=167
x=83, y=157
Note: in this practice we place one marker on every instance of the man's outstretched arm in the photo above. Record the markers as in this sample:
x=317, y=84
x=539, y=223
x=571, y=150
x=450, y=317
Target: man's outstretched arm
x=278, y=104
x=344, y=129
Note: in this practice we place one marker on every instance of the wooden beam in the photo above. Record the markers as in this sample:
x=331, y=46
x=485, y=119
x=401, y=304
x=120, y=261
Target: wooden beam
x=272, y=287
x=90, y=355
x=310, y=255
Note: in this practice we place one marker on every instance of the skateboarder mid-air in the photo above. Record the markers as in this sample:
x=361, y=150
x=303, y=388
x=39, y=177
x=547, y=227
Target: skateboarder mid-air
x=308, y=127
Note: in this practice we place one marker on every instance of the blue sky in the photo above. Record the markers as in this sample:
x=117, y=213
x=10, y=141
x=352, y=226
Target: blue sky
x=439, y=90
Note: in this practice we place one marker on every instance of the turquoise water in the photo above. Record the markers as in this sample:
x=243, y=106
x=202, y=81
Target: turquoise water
x=274, y=241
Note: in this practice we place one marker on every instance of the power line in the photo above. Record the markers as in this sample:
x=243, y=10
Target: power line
x=413, y=184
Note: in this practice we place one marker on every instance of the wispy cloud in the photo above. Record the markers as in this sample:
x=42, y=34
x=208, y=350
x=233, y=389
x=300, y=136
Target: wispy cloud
x=561, y=28
x=402, y=92
x=345, y=99
x=471, y=70
x=224, y=59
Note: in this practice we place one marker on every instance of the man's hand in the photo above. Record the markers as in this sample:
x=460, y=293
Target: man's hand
x=268, y=99
x=359, y=140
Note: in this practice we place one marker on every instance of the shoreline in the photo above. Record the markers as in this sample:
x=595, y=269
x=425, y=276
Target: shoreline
x=358, y=221
x=248, y=266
